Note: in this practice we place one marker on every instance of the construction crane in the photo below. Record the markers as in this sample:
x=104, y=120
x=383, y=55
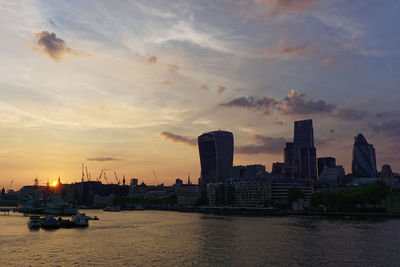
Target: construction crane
x=105, y=177
x=155, y=176
x=101, y=173
x=9, y=187
x=87, y=175
x=83, y=173
x=116, y=178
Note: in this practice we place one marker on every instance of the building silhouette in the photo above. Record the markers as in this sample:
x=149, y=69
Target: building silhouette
x=325, y=162
x=216, y=156
x=364, y=159
x=304, y=151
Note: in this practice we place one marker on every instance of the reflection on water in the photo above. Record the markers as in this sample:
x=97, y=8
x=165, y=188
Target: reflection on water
x=160, y=238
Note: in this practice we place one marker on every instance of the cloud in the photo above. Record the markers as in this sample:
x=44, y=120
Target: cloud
x=179, y=139
x=49, y=44
x=103, y=159
x=294, y=104
x=264, y=104
x=204, y=86
x=285, y=50
x=385, y=115
x=327, y=61
x=264, y=145
x=390, y=128
x=349, y=114
x=277, y=7
x=173, y=68
x=150, y=59
x=332, y=131
x=221, y=89
x=166, y=82
x=274, y=7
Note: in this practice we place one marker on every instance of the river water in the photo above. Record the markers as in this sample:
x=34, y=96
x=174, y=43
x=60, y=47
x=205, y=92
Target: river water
x=163, y=238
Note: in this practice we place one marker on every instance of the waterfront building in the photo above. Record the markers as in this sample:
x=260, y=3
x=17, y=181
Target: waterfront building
x=304, y=151
x=364, y=159
x=249, y=171
x=220, y=194
x=323, y=162
x=187, y=194
x=281, y=187
x=281, y=170
x=216, y=156
x=252, y=193
x=334, y=176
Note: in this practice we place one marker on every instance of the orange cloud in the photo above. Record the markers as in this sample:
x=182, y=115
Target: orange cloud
x=327, y=61
x=276, y=7
x=286, y=50
x=54, y=47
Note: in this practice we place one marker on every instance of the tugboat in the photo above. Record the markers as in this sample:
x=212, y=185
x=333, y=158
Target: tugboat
x=34, y=222
x=49, y=222
x=80, y=220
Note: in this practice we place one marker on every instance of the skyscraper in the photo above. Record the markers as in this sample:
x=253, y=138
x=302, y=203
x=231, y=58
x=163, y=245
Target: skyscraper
x=304, y=152
x=216, y=156
x=364, y=159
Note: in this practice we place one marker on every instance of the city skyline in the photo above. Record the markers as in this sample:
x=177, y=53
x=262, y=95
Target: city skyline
x=130, y=86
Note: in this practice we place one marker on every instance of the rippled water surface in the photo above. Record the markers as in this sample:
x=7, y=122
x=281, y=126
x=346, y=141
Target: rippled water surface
x=162, y=238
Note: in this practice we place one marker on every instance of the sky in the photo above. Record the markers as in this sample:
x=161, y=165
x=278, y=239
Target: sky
x=128, y=86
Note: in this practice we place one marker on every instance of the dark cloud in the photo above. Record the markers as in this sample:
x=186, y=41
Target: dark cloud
x=173, y=68
x=52, y=22
x=221, y=89
x=332, y=131
x=103, y=159
x=179, y=139
x=390, y=128
x=264, y=145
x=264, y=104
x=385, y=115
x=295, y=104
x=349, y=114
x=53, y=46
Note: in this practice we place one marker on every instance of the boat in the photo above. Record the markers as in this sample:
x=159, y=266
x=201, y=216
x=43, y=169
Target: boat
x=54, y=206
x=34, y=222
x=112, y=209
x=80, y=220
x=65, y=223
x=49, y=222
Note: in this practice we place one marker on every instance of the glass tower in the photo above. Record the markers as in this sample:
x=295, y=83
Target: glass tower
x=364, y=159
x=216, y=156
x=304, y=152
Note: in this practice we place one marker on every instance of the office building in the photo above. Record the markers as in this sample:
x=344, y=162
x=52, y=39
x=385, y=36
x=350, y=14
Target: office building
x=304, y=152
x=216, y=156
x=249, y=171
x=327, y=162
x=364, y=159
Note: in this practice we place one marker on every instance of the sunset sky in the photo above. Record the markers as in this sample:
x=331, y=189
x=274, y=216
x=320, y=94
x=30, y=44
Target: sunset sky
x=129, y=85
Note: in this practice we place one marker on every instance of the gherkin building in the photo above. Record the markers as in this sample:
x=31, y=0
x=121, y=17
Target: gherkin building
x=364, y=159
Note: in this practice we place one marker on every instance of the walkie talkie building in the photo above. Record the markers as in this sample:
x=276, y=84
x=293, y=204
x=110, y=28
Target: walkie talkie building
x=216, y=156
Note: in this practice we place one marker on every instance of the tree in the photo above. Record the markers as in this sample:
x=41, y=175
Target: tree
x=294, y=194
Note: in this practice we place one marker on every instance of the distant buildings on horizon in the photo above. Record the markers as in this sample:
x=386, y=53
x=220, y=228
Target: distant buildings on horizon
x=216, y=150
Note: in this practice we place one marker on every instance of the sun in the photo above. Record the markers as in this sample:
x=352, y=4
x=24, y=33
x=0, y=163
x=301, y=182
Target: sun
x=54, y=184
